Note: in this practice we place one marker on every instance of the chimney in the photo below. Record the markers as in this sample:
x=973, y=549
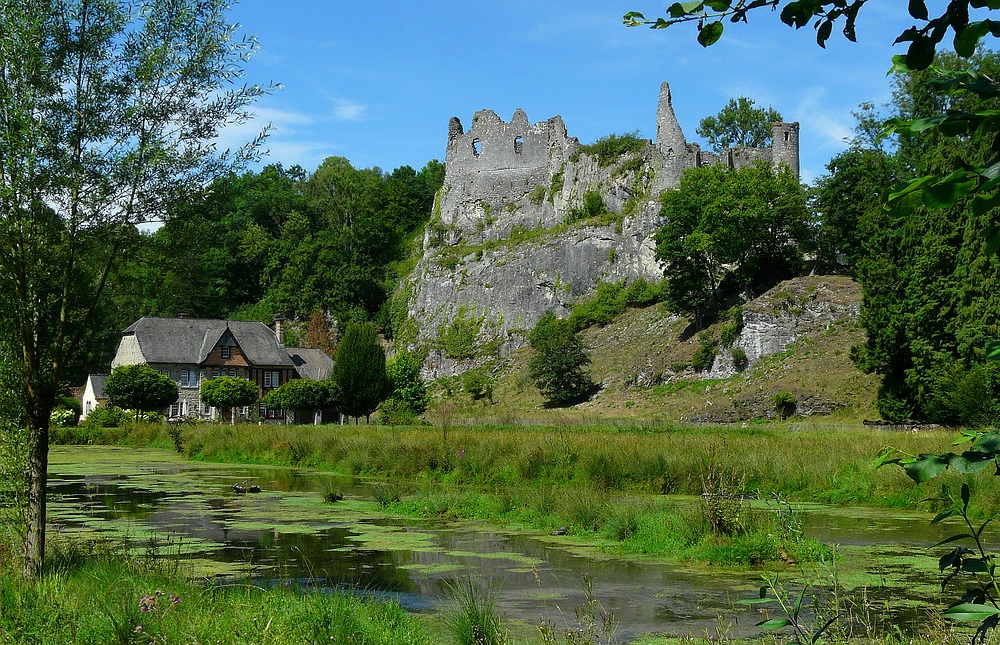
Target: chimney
x=279, y=329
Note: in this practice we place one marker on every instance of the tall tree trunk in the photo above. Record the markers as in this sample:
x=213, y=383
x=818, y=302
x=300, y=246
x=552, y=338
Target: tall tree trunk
x=39, y=409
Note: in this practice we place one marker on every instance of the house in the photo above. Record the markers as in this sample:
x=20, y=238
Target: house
x=194, y=350
x=93, y=395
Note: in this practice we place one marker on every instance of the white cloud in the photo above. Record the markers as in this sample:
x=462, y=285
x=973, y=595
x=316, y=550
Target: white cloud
x=347, y=110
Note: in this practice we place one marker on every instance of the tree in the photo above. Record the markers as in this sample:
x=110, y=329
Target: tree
x=558, y=366
x=844, y=197
x=318, y=335
x=304, y=395
x=141, y=388
x=360, y=370
x=407, y=386
x=739, y=124
x=108, y=111
x=229, y=392
x=729, y=228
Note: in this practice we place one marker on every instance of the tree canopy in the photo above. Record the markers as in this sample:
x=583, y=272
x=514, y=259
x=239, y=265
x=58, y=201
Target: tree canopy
x=407, y=386
x=141, y=388
x=739, y=124
x=729, y=230
x=228, y=392
x=304, y=395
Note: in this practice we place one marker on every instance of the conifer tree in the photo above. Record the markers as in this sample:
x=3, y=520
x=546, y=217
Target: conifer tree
x=360, y=370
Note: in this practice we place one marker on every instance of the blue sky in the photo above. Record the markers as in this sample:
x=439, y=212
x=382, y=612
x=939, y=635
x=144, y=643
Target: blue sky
x=378, y=82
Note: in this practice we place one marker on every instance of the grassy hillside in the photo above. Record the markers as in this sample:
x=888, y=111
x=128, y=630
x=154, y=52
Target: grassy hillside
x=643, y=362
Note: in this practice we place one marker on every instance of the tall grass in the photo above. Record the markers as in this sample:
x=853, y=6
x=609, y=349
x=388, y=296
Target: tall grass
x=804, y=462
x=111, y=596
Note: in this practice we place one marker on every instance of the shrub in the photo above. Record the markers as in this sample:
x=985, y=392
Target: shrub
x=784, y=404
x=611, y=148
x=393, y=412
x=105, y=417
x=458, y=338
x=704, y=356
x=740, y=359
x=479, y=384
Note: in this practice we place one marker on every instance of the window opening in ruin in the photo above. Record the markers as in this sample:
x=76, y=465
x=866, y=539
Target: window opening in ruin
x=787, y=135
x=518, y=145
x=477, y=147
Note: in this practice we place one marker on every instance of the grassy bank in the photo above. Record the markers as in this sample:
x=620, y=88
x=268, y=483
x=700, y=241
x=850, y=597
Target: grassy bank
x=100, y=594
x=604, y=483
x=814, y=462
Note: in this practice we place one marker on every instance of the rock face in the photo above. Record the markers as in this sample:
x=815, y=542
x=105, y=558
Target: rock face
x=781, y=316
x=528, y=221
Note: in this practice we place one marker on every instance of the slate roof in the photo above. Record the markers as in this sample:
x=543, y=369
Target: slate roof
x=190, y=340
x=311, y=363
x=97, y=382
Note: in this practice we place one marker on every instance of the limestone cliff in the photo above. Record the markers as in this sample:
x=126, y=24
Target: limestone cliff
x=528, y=221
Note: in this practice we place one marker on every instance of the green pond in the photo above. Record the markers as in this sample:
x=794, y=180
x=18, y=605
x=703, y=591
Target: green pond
x=287, y=534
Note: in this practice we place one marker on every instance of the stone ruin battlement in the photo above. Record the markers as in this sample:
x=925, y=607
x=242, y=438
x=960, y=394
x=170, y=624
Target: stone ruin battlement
x=497, y=165
x=679, y=155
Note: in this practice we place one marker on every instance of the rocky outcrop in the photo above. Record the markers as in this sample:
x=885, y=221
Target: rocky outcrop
x=781, y=316
x=528, y=221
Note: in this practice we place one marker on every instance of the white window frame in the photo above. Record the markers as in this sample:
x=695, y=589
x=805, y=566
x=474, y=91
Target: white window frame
x=227, y=351
x=272, y=378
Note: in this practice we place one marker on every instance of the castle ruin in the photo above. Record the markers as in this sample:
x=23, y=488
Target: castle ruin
x=504, y=180
x=495, y=163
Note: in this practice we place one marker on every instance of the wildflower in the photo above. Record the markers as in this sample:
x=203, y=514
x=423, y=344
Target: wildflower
x=147, y=603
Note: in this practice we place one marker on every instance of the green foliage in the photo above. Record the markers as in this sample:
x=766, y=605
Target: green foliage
x=740, y=360
x=107, y=594
x=475, y=620
x=732, y=329
x=537, y=195
x=739, y=125
x=458, y=338
x=409, y=390
x=611, y=299
x=784, y=403
x=558, y=364
x=847, y=196
x=931, y=277
x=479, y=383
x=735, y=227
x=140, y=387
x=611, y=148
x=592, y=206
x=558, y=181
x=704, y=355
x=224, y=392
x=360, y=370
x=14, y=477
x=304, y=394
x=105, y=417
x=970, y=564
